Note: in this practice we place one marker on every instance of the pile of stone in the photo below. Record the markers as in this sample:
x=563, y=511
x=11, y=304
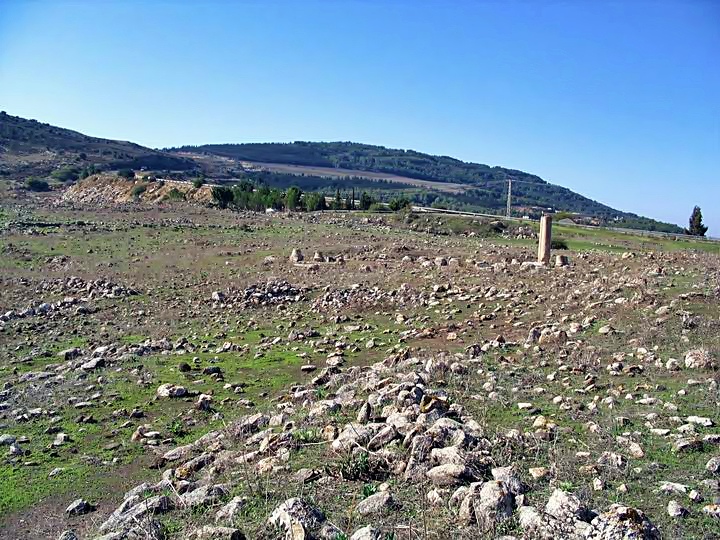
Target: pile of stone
x=97, y=288
x=270, y=293
x=84, y=291
x=404, y=427
x=362, y=296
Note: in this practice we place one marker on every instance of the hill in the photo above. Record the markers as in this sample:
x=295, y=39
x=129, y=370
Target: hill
x=435, y=179
x=31, y=148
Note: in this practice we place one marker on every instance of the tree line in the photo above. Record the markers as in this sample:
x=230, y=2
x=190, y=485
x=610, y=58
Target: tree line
x=258, y=198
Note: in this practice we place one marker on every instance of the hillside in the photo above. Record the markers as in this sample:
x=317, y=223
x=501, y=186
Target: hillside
x=485, y=187
x=31, y=148
x=109, y=189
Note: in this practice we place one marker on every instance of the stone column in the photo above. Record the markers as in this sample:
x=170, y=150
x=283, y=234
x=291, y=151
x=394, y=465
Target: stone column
x=544, y=240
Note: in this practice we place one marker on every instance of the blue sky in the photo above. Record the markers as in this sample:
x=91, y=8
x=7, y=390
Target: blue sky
x=619, y=101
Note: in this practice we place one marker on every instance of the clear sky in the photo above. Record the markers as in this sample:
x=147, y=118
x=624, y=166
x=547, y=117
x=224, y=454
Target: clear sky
x=619, y=101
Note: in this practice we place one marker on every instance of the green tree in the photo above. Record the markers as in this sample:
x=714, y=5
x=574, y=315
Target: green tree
x=398, y=203
x=337, y=204
x=315, y=202
x=292, y=198
x=222, y=195
x=126, y=173
x=366, y=201
x=696, y=225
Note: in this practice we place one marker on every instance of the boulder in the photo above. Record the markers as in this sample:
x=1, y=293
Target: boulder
x=213, y=532
x=301, y=521
x=78, y=507
x=171, y=390
x=375, y=504
x=367, y=533
x=700, y=359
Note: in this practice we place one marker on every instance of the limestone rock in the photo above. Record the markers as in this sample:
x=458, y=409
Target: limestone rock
x=301, y=521
x=212, y=532
x=376, y=503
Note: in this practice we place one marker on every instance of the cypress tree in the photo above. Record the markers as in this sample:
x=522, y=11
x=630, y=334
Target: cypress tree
x=696, y=225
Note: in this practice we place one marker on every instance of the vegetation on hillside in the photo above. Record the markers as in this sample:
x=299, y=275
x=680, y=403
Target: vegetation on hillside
x=258, y=198
x=54, y=148
x=487, y=186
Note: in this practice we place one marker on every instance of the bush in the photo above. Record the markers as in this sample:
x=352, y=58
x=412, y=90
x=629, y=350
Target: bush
x=35, y=184
x=198, y=183
x=175, y=195
x=377, y=207
x=558, y=243
x=126, y=173
x=138, y=190
x=66, y=174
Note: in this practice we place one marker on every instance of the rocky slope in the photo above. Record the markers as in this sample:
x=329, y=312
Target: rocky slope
x=108, y=189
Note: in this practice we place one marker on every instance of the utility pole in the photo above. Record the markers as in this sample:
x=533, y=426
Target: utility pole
x=509, y=197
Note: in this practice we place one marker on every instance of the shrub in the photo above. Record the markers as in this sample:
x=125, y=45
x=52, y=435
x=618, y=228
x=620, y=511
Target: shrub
x=126, y=173
x=175, y=195
x=66, y=174
x=558, y=243
x=198, y=183
x=138, y=190
x=35, y=184
x=377, y=207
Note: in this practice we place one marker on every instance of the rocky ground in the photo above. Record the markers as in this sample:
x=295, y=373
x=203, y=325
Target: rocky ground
x=179, y=372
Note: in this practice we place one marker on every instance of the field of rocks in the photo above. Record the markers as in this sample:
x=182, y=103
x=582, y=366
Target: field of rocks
x=172, y=372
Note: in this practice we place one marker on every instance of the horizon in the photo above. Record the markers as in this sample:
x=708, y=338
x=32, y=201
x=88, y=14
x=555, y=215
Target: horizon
x=618, y=102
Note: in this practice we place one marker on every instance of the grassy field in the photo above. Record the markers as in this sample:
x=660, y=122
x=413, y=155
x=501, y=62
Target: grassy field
x=373, y=305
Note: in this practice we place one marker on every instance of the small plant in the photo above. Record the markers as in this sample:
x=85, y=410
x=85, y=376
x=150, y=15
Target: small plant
x=306, y=436
x=369, y=489
x=355, y=466
x=566, y=485
x=177, y=428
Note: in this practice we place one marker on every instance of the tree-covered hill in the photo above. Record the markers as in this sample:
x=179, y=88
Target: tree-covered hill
x=29, y=147
x=487, y=186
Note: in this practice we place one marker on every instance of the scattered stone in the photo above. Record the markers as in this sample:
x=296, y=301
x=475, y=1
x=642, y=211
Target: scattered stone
x=78, y=507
